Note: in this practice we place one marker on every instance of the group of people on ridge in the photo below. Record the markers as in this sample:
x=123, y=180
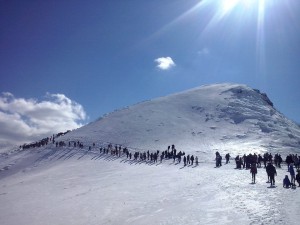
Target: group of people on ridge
x=253, y=161
x=250, y=161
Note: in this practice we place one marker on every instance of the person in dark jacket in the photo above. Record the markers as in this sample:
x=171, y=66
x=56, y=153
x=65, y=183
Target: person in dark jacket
x=227, y=157
x=218, y=159
x=271, y=171
x=197, y=162
x=298, y=177
x=192, y=159
x=286, y=182
x=253, y=171
x=184, y=160
x=292, y=173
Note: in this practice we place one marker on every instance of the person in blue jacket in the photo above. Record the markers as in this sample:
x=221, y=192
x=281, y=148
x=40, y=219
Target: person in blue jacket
x=286, y=182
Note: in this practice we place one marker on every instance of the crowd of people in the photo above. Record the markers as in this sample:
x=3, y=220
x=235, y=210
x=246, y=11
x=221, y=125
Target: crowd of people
x=146, y=156
x=253, y=161
x=250, y=161
x=45, y=141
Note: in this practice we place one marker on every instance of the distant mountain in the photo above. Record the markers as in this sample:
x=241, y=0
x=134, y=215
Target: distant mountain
x=225, y=117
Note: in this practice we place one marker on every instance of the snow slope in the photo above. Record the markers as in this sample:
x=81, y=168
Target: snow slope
x=66, y=185
x=73, y=186
x=229, y=117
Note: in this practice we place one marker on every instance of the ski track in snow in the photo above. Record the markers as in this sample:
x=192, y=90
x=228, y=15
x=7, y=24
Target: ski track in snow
x=82, y=187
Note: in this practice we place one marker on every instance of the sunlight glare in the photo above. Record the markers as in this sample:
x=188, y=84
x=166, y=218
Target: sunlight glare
x=228, y=5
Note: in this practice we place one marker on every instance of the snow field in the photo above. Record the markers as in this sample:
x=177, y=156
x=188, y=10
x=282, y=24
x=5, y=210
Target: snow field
x=74, y=186
x=71, y=186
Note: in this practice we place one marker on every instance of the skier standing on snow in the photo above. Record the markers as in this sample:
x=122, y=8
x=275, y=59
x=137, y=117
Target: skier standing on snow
x=253, y=171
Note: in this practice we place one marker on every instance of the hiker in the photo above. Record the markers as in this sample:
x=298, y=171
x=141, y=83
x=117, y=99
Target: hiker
x=288, y=161
x=218, y=159
x=259, y=160
x=179, y=157
x=197, y=162
x=292, y=173
x=298, y=165
x=227, y=157
x=296, y=162
x=271, y=171
x=279, y=161
x=265, y=159
x=253, y=171
x=238, y=162
x=298, y=177
x=286, y=182
x=192, y=159
x=184, y=160
x=155, y=157
x=244, y=161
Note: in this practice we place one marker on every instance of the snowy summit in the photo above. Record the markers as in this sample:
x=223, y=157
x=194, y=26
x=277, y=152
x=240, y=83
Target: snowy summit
x=228, y=117
x=87, y=177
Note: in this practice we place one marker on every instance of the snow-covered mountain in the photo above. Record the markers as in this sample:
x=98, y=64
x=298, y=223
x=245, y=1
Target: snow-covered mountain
x=229, y=117
x=70, y=185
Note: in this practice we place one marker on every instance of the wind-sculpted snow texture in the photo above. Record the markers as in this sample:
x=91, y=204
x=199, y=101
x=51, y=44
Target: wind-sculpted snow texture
x=71, y=185
x=227, y=117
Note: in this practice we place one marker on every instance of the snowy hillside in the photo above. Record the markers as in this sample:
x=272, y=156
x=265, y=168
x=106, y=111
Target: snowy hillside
x=228, y=117
x=70, y=185
x=67, y=185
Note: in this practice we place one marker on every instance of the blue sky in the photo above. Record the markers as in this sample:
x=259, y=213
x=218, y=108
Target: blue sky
x=101, y=55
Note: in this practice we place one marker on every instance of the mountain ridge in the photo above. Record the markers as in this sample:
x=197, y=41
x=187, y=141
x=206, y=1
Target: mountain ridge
x=227, y=117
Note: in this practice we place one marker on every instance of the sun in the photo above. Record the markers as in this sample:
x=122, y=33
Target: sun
x=238, y=10
x=226, y=6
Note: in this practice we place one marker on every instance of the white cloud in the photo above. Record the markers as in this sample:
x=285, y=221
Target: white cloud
x=25, y=120
x=164, y=63
x=204, y=51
